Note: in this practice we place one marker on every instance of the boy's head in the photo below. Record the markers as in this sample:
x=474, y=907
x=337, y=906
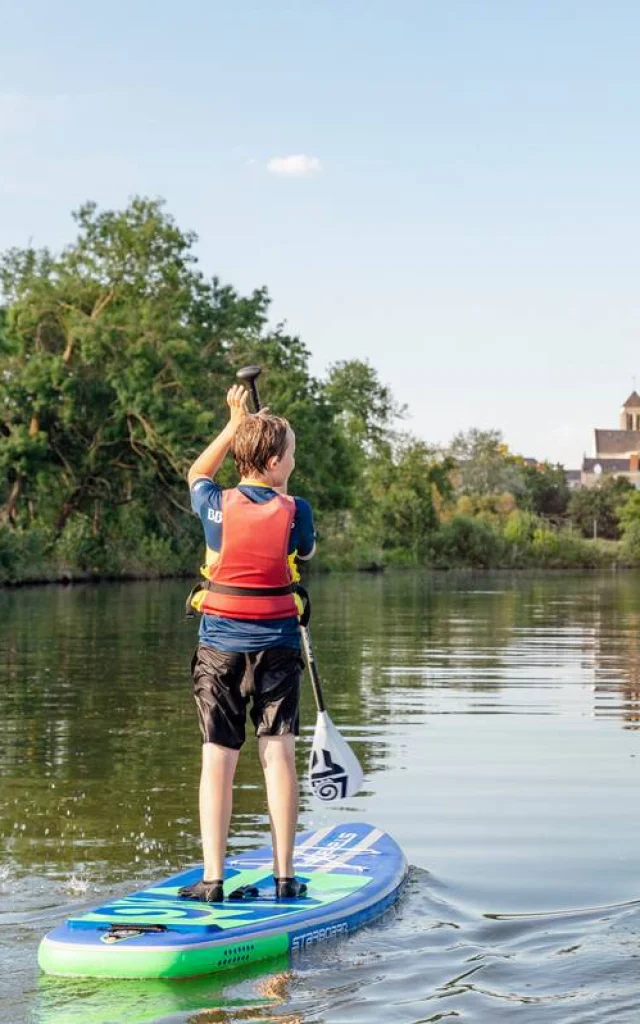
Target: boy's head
x=264, y=446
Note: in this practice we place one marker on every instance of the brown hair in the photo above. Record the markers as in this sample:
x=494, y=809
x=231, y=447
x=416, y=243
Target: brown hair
x=258, y=439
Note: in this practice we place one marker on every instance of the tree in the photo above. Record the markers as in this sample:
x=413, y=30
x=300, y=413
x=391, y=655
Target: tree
x=629, y=510
x=365, y=406
x=115, y=357
x=485, y=464
x=629, y=516
x=595, y=510
x=546, y=491
x=405, y=486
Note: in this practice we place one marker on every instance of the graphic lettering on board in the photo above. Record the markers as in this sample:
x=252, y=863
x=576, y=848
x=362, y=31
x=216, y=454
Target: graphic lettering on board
x=316, y=935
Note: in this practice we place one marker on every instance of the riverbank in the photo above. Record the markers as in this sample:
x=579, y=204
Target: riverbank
x=552, y=552
x=32, y=556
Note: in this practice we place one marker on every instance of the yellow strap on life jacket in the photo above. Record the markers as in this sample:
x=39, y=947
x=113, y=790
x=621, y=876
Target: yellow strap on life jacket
x=198, y=598
x=293, y=567
x=295, y=578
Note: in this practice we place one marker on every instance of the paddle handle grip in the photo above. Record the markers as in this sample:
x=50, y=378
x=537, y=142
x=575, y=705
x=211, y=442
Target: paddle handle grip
x=248, y=375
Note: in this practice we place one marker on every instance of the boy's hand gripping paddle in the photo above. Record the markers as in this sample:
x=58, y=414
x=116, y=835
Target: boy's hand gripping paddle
x=334, y=770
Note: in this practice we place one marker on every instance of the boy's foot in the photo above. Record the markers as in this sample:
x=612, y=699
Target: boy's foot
x=289, y=888
x=206, y=892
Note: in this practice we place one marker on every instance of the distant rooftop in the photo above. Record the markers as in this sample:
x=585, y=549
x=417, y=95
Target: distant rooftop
x=606, y=465
x=633, y=401
x=617, y=442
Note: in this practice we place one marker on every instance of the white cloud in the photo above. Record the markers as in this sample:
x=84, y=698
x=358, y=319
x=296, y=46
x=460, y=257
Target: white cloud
x=296, y=166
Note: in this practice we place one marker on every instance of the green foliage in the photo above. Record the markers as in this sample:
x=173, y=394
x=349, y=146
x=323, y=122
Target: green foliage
x=464, y=541
x=554, y=549
x=518, y=532
x=4, y=340
x=115, y=357
x=346, y=543
x=546, y=491
x=629, y=510
x=630, y=546
x=493, y=508
x=22, y=554
x=80, y=546
x=365, y=407
x=524, y=541
x=403, y=487
x=485, y=464
x=629, y=517
x=115, y=349
x=596, y=509
x=395, y=511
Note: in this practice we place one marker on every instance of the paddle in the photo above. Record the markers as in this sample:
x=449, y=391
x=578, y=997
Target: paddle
x=334, y=770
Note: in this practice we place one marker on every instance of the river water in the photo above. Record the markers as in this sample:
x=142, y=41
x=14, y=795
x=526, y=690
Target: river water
x=497, y=719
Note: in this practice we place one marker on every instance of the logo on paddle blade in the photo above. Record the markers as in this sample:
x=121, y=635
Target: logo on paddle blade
x=329, y=781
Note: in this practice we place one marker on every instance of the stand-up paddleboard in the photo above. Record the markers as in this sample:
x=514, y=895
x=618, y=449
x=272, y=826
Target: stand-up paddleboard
x=353, y=873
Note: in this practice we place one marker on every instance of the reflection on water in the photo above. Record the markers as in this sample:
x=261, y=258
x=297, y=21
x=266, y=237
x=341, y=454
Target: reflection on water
x=496, y=718
x=85, y=1001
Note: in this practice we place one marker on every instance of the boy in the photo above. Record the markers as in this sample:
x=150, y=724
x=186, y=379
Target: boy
x=249, y=641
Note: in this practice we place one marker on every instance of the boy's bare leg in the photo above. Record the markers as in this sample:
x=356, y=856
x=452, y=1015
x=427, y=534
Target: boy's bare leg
x=277, y=757
x=216, y=800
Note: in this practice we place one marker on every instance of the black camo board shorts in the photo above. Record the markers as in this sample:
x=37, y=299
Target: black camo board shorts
x=225, y=682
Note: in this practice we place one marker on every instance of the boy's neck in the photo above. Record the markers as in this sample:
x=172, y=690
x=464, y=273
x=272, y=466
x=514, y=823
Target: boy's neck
x=258, y=480
x=255, y=478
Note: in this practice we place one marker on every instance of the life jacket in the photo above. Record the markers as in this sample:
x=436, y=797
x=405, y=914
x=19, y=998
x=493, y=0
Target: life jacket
x=251, y=579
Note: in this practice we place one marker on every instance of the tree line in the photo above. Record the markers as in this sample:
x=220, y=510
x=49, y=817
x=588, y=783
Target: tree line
x=115, y=357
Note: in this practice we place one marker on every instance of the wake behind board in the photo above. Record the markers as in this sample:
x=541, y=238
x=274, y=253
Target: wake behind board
x=353, y=873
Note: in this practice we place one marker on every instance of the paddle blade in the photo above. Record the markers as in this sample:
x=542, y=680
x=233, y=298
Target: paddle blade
x=334, y=770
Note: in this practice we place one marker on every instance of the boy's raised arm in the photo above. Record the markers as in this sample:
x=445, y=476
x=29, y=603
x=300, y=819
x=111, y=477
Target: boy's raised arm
x=208, y=463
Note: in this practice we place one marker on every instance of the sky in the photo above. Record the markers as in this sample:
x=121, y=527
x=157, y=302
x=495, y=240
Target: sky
x=449, y=190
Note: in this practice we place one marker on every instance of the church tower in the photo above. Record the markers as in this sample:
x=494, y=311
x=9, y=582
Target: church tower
x=630, y=413
x=617, y=452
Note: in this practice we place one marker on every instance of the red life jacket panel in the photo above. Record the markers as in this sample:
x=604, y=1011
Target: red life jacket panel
x=253, y=559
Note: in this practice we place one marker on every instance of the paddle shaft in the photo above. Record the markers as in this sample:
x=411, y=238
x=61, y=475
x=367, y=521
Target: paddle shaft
x=313, y=668
x=248, y=376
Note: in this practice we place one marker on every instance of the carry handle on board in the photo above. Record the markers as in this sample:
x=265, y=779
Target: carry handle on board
x=334, y=770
